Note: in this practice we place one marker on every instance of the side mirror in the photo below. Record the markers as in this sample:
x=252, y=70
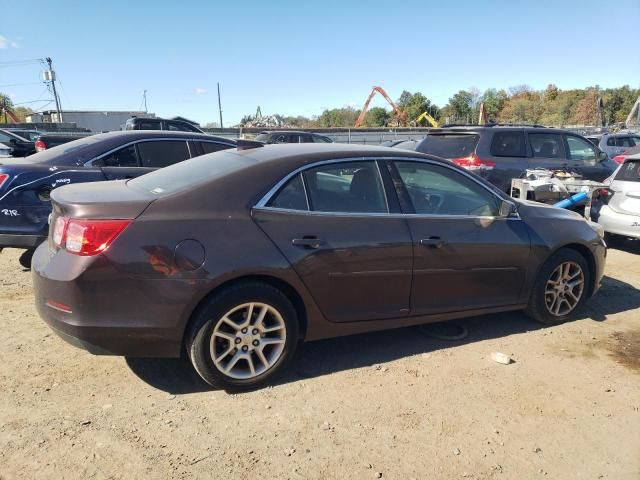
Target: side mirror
x=507, y=208
x=602, y=157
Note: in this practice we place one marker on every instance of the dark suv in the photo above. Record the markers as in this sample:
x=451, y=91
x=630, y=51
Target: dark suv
x=289, y=136
x=174, y=125
x=499, y=153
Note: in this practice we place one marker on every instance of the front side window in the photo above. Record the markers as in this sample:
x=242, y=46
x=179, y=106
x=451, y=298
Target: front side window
x=320, y=139
x=291, y=196
x=162, y=153
x=581, y=150
x=125, y=157
x=546, y=145
x=437, y=190
x=350, y=187
x=508, y=144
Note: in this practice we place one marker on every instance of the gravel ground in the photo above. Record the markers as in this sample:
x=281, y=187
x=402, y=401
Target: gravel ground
x=394, y=404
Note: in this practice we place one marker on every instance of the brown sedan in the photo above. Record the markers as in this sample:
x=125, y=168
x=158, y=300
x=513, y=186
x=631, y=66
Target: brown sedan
x=238, y=256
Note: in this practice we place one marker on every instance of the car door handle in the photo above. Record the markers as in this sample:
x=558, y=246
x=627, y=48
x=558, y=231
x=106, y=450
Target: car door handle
x=433, y=242
x=307, y=242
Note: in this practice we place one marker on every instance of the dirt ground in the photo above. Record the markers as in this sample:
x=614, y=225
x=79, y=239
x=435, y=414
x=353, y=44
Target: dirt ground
x=395, y=404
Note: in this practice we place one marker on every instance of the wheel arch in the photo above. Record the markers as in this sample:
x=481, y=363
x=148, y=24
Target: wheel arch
x=291, y=293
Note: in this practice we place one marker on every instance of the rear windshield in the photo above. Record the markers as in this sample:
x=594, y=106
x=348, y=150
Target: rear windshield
x=52, y=155
x=450, y=145
x=190, y=173
x=629, y=171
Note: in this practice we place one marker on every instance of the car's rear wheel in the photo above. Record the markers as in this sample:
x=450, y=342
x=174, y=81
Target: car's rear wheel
x=560, y=288
x=25, y=258
x=243, y=337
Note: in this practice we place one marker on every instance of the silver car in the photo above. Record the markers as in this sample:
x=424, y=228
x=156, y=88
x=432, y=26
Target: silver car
x=613, y=144
x=617, y=207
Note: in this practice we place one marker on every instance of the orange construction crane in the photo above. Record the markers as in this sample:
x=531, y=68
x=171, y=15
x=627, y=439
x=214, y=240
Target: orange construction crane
x=401, y=117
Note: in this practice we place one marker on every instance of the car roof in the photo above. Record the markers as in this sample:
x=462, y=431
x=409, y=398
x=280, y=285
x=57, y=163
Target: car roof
x=494, y=128
x=303, y=153
x=278, y=132
x=140, y=134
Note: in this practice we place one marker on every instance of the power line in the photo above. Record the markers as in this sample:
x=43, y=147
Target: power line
x=19, y=63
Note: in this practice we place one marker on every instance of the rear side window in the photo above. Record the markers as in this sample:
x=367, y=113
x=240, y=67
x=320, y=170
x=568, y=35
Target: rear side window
x=125, y=157
x=629, y=171
x=546, y=145
x=291, y=196
x=353, y=187
x=162, y=153
x=508, y=144
x=210, y=147
x=450, y=145
x=149, y=126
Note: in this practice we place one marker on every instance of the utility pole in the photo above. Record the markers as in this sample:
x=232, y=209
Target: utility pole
x=53, y=86
x=220, y=105
x=144, y=99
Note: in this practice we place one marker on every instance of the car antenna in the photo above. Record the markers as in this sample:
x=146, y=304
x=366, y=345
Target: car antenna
x=248, y=144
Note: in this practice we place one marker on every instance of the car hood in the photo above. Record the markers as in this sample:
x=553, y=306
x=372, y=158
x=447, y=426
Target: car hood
x=528, y=209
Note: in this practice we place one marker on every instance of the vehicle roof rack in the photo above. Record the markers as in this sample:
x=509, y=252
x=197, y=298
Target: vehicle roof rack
x=248, y=144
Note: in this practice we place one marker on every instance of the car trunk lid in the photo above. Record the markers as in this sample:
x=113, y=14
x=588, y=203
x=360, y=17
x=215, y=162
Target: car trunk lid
x=100, y=200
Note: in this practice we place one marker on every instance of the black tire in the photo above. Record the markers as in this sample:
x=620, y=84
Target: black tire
x=25, y=258
x=537, y=308
x=199, y=336
x=612, y=240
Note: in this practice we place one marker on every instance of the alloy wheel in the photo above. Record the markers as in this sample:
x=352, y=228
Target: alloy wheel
x=248, y=340
x=564, y=289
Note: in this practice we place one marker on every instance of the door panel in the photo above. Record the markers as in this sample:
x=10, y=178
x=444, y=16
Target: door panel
x=357, y=267
x=465, y=255
x=475, y=263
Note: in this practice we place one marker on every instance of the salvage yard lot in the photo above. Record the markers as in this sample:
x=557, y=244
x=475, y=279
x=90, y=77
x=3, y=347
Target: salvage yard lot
x=394, y=404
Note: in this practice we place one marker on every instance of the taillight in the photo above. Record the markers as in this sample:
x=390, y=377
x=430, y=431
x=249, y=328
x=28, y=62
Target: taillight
x=619, y=159
x=473, y=163
x=3, y=178
x=40, y=146
x=602, y=194
x=86, y=237
x=59, y=230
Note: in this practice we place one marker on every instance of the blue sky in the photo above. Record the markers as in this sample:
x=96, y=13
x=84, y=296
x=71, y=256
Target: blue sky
x=294, y=57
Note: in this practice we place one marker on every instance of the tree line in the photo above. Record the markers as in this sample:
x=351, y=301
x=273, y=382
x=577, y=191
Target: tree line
x=552, y=106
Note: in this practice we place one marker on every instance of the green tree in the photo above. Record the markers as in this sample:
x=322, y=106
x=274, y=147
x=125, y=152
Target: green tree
x=414, y=104
x=460, y=107
x=377, y=117
x=494, y=101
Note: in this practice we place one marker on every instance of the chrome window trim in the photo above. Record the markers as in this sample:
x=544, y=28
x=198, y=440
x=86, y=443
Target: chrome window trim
x=304, y=189
x=89, y=163
x=262, y=203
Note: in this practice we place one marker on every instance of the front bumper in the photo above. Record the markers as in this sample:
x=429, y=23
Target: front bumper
x=110, y=314
x=617, y=223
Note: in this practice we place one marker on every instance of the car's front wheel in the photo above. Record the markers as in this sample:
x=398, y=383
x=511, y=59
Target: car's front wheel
x=560, y=288
x=243, y=337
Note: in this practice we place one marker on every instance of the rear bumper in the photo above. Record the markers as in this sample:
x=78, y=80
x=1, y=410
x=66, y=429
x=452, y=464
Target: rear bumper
x=20, y=241
x=617, y=223
x=108, y=313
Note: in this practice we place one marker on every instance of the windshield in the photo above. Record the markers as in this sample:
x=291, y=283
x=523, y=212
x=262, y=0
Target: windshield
x=52, y=155
x=450, y=145
x=190, y=173
x=263, y=137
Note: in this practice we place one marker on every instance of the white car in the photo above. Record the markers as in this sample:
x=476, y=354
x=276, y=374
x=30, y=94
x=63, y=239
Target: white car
x=617, y=207
x=5, y=151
